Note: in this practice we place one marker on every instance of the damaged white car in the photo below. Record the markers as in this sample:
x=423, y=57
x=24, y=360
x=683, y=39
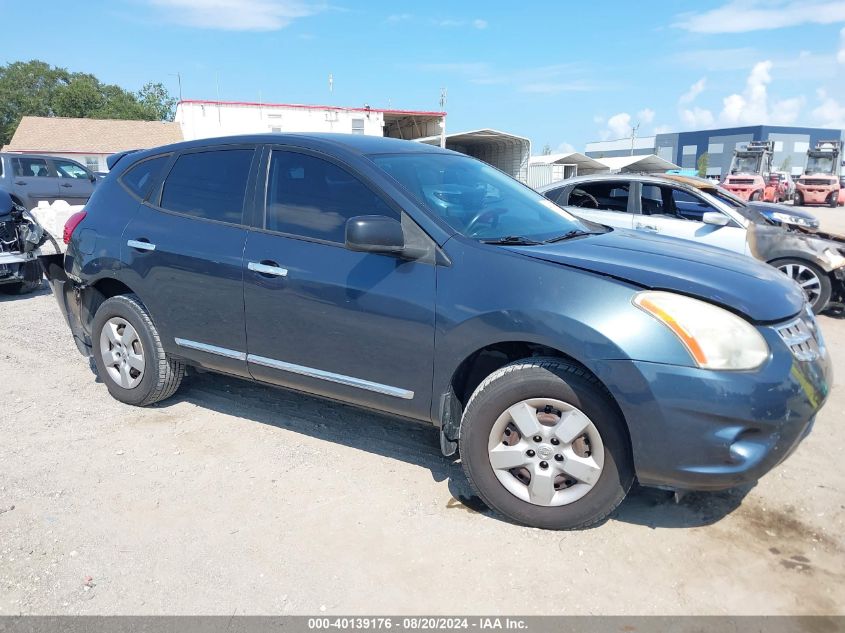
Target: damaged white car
x=26, y=235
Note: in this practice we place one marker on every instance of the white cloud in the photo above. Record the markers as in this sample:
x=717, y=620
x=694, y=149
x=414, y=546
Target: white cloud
x=565, y=148
x=741, y=16
x=645, y=116
x=694, y=90
x=399, y=17
x=786, y=111
x=619, y=125
x=840, y=55
x=829, y=113
x=751, y=106
x=480, y=24
x=237, y=15
x=697, y=117
x=477, y=23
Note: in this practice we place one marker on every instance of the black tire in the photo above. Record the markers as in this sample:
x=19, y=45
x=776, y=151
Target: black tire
x=31, y=271
x=550, y=378
x=162, y=374
x=798, y=200
x=834, y=201
x=755, y=197
x=825, y=286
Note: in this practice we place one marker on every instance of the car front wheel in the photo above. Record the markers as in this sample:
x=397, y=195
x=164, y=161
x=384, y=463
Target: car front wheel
x=813, y=281
x=129, y=356
x=543, y=444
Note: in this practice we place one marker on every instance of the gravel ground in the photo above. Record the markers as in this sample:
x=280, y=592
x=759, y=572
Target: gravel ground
x=233, y=498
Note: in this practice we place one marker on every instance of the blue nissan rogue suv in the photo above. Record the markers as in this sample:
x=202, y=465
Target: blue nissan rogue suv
x=560, y=357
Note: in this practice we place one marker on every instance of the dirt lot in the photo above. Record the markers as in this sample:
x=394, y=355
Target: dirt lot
x=238, y=499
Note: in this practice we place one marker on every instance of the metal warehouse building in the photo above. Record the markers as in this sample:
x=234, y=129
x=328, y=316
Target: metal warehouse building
x=685, y=148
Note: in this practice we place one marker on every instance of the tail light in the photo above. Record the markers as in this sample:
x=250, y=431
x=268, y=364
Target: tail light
x=71, y=224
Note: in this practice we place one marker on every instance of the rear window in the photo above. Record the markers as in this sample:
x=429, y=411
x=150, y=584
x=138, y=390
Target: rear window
x=139, y=178
x=209, y=185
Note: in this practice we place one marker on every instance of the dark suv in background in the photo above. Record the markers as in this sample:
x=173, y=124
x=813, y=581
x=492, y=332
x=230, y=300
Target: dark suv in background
x=30, y=178
x=561, y=357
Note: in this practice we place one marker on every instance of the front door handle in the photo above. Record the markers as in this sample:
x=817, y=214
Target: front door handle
x=66, y=185
x=268, y=269
x=141, y=245
x=20, y=182
x=647, y=227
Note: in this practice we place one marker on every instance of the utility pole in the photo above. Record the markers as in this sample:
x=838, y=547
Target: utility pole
x=443, y=99
x=634, y=131
x=331, y=83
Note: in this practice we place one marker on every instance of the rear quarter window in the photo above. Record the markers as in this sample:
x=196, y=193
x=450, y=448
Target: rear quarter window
x=139, y=178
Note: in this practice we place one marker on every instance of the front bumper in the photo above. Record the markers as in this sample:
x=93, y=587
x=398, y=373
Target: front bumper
x=816, y=195
x=743, y=191
x=695, y=429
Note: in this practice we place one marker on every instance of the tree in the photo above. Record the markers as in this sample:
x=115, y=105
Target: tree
x=547, y=150
x=703, y=162
x=35, y=88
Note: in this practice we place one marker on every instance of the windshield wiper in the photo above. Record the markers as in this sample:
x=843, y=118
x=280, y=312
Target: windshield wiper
x=567, y=236
x=512, y=240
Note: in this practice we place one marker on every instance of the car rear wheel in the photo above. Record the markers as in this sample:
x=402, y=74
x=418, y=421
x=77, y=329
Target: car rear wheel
x=543, y=444
x=813, y=281
x=129, y=356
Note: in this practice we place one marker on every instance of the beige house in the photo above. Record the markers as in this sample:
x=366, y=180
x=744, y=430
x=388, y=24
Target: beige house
x=89, y=141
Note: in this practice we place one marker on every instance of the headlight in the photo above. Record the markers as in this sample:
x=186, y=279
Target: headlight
x=835, y=259
x=785, y=218
x=714, y=337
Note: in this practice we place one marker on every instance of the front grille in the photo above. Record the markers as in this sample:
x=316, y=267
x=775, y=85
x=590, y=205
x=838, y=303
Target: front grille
x=816, y=182
x=740, y=181
x=802, y=337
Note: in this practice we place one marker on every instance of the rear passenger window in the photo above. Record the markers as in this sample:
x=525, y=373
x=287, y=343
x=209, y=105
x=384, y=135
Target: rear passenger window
x=310, y=197
x=139, y=178
x=209, y=185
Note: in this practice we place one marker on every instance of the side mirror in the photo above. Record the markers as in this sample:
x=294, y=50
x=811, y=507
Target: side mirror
x=715, y=219
x=374, y=234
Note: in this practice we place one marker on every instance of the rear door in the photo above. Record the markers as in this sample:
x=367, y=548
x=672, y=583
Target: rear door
x=604, y=201
x=321, y=318
x=76, y=184
x=34, y=178
x=678, y=213
x=184, y=254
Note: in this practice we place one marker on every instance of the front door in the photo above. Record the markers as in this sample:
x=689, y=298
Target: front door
x=354, y=326
x=76, y=184
x=184, y=256
x=678, y=213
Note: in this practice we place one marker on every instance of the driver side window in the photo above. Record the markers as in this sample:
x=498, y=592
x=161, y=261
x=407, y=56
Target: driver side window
x=604, y=196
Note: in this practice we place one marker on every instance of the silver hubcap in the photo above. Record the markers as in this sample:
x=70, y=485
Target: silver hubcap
x=122, y=352
x=806, y=278
x=546, y=452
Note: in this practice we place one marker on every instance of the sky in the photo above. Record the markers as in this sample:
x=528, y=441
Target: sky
x=560, y=73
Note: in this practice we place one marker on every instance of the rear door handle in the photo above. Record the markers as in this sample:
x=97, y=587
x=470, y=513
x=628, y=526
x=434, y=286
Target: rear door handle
x=141, y=245
x=66, y=185
x=268, y=268
x=20, y=182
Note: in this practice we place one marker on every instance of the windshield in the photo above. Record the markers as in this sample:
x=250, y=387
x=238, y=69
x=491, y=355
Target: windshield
x=819, y=165
x=478, y=200
x=748, y=164
x=737, y=204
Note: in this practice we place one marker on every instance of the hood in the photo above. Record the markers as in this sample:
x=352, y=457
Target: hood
x=735, y=281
